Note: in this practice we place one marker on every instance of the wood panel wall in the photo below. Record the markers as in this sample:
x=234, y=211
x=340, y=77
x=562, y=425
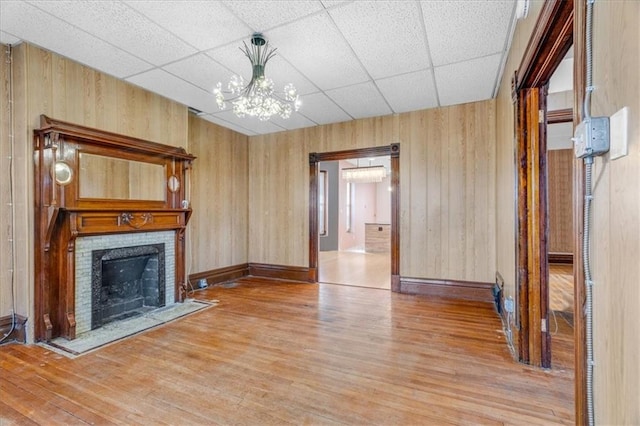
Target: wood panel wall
x=6, y=258
x=615, y=246
x=560, y=190
x=46, y=83
x=505, y=155
x=447, y=185
x=219, y=195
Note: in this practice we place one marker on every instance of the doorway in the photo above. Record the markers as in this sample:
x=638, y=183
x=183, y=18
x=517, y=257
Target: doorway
x=393, y=153
x=354, y=222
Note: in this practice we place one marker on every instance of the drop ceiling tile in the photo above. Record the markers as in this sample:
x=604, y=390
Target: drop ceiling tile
x=6, y=38
x=322, y=110
x=360, y=100
x=200, y=70
x=296, y=121
x=172, y=87
x=220, y=122
x=40, y=28
x=249, y=123
x=409, y=92
x=467, y=81
x=316, y=48
x=388, y=37
x=277, y=69
x=461, y=30
x=202, y=24
x=121, y=26
x=263, y=15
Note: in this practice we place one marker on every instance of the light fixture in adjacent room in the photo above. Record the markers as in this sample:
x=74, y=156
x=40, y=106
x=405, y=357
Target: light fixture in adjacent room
x=369, y=174
x=258, y=98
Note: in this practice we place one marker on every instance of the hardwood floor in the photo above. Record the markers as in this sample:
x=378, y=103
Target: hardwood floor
x=285, y=353
x=561, y=287
x=356, y=268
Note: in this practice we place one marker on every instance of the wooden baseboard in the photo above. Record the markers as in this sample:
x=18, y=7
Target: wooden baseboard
x=282, y=272
x=466, y=290
x=566, y=258
x=19, y=332
x=220, y=275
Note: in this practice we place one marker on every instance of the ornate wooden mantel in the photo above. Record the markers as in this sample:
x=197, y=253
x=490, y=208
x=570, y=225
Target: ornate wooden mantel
x=63, y=213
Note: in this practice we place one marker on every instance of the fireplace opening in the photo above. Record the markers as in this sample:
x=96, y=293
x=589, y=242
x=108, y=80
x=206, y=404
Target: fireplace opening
x=126, y=282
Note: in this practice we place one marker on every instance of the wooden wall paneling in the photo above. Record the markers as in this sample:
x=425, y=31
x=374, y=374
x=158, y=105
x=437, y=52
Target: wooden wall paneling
x=560, y=185
x=6, y=230
x=615, y=240
x=219, y=196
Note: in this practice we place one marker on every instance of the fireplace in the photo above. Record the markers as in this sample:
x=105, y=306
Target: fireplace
x=126, y=282
x=122, y=275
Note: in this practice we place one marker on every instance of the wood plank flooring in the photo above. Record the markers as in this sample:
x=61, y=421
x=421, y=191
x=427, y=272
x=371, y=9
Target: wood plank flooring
x=285, y=353
x=356, y=268
x=561, y=287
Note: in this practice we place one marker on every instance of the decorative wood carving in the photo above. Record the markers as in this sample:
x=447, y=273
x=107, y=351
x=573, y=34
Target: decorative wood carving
x=62, y=215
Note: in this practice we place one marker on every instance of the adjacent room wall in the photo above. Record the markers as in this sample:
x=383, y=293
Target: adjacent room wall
x=6, y=228
x=447, y=187
x=46, y=83
x=616, y=220
x=217, y=233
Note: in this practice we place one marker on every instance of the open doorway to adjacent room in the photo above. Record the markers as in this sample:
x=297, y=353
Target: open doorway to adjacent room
x=354, y=222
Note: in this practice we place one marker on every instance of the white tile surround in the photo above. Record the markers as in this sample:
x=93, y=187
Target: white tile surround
x=86, y=245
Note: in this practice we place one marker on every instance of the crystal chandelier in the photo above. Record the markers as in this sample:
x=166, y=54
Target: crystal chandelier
x=370, y=174
x=257, y=98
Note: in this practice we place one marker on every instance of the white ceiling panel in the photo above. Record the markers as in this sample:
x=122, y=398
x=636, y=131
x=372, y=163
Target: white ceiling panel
x=263, y=15
x=220, y=122
x=121, y=26
x=409, y=92
x=388, y=37
x=348, y=59
x=249, y=123
x=463, y=30
x=44, y=30
x=360, y=100
x=316, y=48
x=200, y=70
x=198, y=22
x=322, y=110
x=467, y=81
x=296, y=121
x=6, y=38
x=172, y=87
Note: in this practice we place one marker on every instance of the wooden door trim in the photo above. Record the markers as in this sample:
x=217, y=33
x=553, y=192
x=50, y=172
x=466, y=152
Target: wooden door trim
x=393, y=151
x=551, y=39
x=560, y=116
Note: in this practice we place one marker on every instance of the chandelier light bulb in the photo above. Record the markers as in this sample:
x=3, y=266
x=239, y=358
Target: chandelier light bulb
x=258, y=97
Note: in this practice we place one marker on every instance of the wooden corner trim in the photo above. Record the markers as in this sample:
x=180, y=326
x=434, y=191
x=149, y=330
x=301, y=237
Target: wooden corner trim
x=455, y=289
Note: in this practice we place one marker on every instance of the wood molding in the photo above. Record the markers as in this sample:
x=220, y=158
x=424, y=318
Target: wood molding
x=579, y=296
x=560, y=116
x=392, y=150
x=281, y=272
x=550, y=41
x=455, y=289
x=547, y=46
x=19, y=331
x=220, y=275
x=564, y=258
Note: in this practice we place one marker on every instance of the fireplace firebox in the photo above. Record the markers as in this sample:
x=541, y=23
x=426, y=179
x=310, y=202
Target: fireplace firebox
x=126, y=282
